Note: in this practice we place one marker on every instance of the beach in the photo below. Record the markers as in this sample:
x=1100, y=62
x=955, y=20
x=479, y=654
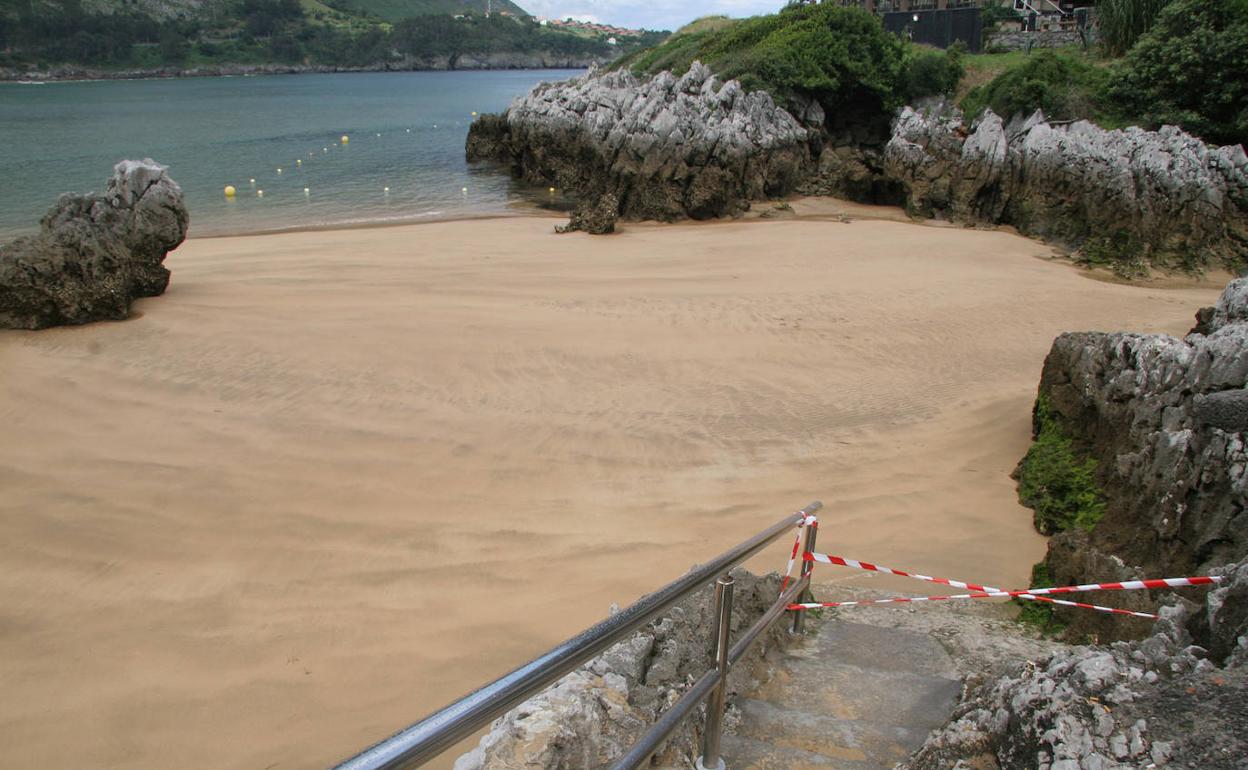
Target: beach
x=332, y=480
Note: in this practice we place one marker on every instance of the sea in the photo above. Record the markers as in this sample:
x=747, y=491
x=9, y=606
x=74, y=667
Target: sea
x=300, y=151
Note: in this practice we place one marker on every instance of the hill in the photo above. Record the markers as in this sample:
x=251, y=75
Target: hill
x=165, y=35
x=397, y=10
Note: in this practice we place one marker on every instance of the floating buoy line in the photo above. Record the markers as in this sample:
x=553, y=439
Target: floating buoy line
x=231, y=192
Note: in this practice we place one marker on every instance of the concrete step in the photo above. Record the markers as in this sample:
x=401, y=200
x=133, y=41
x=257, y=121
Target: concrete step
x=853, y=695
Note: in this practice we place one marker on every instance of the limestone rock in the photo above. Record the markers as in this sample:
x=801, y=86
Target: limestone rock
x=595, y=216
x=94, y=254
x=1138, y=196
x=1160, y=702
x=667, y=148
x=1165, y=418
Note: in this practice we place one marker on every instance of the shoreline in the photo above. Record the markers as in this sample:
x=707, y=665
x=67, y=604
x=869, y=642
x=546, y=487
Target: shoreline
x=814, y=209
x=75, y=74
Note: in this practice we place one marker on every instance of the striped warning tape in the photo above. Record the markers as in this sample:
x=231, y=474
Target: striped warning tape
x=985, y=595
x=809, y=520
x=988, y=592
x=868, y=566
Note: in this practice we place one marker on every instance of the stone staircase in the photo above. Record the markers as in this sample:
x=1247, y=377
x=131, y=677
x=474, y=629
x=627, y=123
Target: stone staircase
x=852, y=696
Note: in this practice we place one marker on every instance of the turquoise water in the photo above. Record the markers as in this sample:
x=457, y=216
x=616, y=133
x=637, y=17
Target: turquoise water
x=62, y=137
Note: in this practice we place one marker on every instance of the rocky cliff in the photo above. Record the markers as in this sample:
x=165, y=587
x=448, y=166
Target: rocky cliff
x=665, y=148
x=1124, y=196
x=94, y=254
x=596, y=713
x=1173, y=700
x=1164, y=418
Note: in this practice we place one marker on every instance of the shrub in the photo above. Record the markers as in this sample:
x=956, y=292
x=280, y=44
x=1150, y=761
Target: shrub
x=1036, y=613
x=840, y=56
x=1188, y=71
x=1065, y=87
x=934, y=73
x=1055, y=482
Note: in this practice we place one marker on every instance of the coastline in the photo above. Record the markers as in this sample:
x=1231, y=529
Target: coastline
x=68, y=73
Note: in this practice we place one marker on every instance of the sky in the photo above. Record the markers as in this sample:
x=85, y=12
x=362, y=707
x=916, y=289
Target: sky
x=650, y=14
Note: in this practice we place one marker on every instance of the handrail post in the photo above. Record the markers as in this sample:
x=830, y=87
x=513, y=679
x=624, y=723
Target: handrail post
x=710, y=759
x=799, y=616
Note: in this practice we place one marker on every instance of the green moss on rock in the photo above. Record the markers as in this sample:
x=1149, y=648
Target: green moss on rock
x=1055, y=482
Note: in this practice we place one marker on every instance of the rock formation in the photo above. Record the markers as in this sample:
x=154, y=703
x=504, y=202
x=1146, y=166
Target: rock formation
x=1125, y=196
x=666, y=148
x=596, y=713
x=1165, y=420
x=94, y=254
x=1175, y=699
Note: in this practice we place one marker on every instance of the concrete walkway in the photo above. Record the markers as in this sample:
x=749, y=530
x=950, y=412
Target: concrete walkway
x=852, y=696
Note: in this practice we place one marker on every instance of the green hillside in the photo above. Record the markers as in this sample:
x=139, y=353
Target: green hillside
x=164, y=34
x=397, y=10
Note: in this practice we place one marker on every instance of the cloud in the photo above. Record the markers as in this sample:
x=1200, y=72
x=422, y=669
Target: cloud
x=650, y=14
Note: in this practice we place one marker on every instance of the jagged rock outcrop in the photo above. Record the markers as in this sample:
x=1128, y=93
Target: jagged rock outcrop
x=1127, y=196
x=666, y=148
x=94, y=254
x=596, y=713
x=1175, y=699
x=1165, y=420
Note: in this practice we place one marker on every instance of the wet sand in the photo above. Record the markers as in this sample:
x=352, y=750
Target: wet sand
x=332, y=480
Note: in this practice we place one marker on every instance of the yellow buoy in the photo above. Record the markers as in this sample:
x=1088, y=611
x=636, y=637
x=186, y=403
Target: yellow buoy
x=345, y=139
x=305, y=191
x=253, y=182
x=474, y=114
x=229, y=191
x=552, y=189
x=385, y=189
x=259, y=193
x=279, y=171
x=298, y=162
x=463, y=189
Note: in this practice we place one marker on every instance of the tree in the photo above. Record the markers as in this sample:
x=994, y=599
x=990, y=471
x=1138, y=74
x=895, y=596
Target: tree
x=1188, y=71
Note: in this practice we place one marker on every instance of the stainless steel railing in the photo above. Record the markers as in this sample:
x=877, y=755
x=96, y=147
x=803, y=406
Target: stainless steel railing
x=420, y=742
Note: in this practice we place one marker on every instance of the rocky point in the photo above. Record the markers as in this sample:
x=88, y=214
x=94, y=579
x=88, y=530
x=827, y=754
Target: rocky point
x=94, y=254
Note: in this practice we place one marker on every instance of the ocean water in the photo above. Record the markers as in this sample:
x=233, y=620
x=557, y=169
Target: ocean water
x=406, y=132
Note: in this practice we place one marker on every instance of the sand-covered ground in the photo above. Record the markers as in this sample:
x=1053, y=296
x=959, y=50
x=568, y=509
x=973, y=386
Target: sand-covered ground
x=332, y=480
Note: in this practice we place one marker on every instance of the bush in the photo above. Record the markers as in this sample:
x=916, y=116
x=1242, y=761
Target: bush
x=1054, y=482
x=1065, y=87
x=840, y=56
x=934, y=73
x=1188, y=71
x=1036, y=613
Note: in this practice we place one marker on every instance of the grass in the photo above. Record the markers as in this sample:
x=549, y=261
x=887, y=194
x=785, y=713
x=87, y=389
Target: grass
x=1039, y=615
x=1055, y=482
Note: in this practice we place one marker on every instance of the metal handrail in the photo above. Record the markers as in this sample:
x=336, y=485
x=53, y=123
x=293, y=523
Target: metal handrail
x=701, y=689
x=424, y=740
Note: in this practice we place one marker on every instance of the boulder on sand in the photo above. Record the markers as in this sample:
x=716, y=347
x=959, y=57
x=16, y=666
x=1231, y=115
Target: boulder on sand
x=94, y=254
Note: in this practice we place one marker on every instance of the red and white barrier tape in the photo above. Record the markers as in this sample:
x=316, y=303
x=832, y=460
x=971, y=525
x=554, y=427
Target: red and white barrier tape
x=988, y=595
x=809, y=520
x=869, y=567
x=988, y=592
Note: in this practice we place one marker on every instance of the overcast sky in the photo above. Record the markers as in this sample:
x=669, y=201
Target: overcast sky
x=650, y=14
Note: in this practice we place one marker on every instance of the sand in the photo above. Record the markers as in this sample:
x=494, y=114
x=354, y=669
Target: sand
x=332, y=480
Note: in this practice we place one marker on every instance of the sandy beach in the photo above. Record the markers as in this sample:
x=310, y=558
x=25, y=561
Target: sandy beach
x=331, y=480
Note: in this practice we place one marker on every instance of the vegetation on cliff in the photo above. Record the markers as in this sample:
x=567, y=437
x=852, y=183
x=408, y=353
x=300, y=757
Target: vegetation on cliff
x=1055, y=482
x=841, y=57
x=1174, y=62
x=342, y=33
